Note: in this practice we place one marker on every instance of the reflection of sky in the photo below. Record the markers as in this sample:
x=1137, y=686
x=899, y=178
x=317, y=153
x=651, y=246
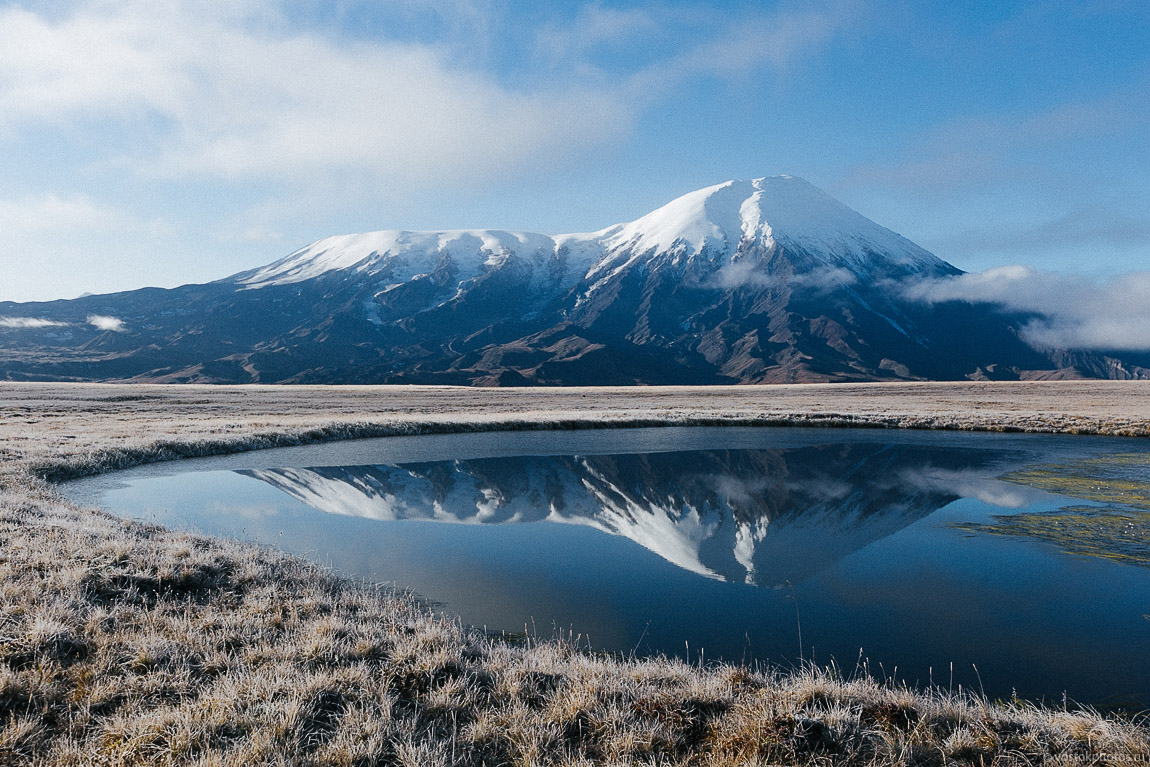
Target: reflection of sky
x=1024, y=614
x=225, y=500
x=911, y=592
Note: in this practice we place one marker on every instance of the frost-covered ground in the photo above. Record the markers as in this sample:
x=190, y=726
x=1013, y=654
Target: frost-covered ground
x=87, y=427
x=126, y=644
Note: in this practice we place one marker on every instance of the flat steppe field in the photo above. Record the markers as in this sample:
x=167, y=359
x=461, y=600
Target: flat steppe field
x=122, y=643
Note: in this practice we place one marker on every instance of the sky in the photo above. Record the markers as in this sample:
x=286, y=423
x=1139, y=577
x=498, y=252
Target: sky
x=160, y=143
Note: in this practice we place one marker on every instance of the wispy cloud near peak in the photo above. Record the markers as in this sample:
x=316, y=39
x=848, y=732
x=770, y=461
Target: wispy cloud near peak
x=103, y=322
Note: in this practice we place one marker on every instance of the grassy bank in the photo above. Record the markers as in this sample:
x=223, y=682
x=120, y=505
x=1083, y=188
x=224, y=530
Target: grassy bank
x=122, y=643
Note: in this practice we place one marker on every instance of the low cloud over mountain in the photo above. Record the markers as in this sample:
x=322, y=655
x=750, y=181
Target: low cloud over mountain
x=1072, y=311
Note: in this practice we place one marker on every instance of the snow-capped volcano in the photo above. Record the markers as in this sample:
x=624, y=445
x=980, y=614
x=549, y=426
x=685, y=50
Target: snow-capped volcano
x=720, y=219
x=405, y=255
x=760, y=281
x=779, y=209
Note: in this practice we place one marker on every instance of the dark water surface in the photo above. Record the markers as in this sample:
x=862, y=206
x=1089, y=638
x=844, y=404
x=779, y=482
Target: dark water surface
x=720, y=543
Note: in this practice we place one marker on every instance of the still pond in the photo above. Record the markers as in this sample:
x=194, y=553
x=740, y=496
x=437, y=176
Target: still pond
x=1015, y=564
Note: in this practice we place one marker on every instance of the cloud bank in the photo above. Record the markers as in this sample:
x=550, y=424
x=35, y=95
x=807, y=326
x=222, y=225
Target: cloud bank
x=240, y=92
x=231, y=94
x=750, y=274
x=1075, y=312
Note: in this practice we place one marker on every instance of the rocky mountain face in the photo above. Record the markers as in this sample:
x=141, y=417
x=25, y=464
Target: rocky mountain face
x=760, y=281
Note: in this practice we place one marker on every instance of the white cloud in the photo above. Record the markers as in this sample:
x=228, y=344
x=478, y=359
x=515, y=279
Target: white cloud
x=825, y=278
x=1075, y=312
x=211, y=91
x=230, y=91
x=104, y=322
x=742, y=274
x=98, y=321
x=29, y=322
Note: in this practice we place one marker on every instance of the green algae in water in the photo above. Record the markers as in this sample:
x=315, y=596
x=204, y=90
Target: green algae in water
x=1118, y=531
x=1119, y=535
x=1121, y=479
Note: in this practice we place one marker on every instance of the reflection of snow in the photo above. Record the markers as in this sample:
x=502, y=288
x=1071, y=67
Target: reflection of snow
x=745, y=550
x=706, y=512
x=490, y=503
x=746, y=537
x=334, y=496
x=675, y=536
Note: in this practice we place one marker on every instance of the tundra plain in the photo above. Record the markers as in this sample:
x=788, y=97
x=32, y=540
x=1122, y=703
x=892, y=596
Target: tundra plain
x=123, y=643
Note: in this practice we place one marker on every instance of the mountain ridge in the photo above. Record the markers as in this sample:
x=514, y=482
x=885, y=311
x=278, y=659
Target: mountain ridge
x=769, y=280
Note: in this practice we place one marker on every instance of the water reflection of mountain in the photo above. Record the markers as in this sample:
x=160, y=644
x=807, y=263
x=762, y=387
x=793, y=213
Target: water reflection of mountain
x=756, y=516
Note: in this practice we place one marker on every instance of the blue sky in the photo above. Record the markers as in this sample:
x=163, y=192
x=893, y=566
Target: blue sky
x=146, y=143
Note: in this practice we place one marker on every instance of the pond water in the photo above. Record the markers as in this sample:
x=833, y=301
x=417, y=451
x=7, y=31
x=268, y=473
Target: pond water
x=857, y=547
